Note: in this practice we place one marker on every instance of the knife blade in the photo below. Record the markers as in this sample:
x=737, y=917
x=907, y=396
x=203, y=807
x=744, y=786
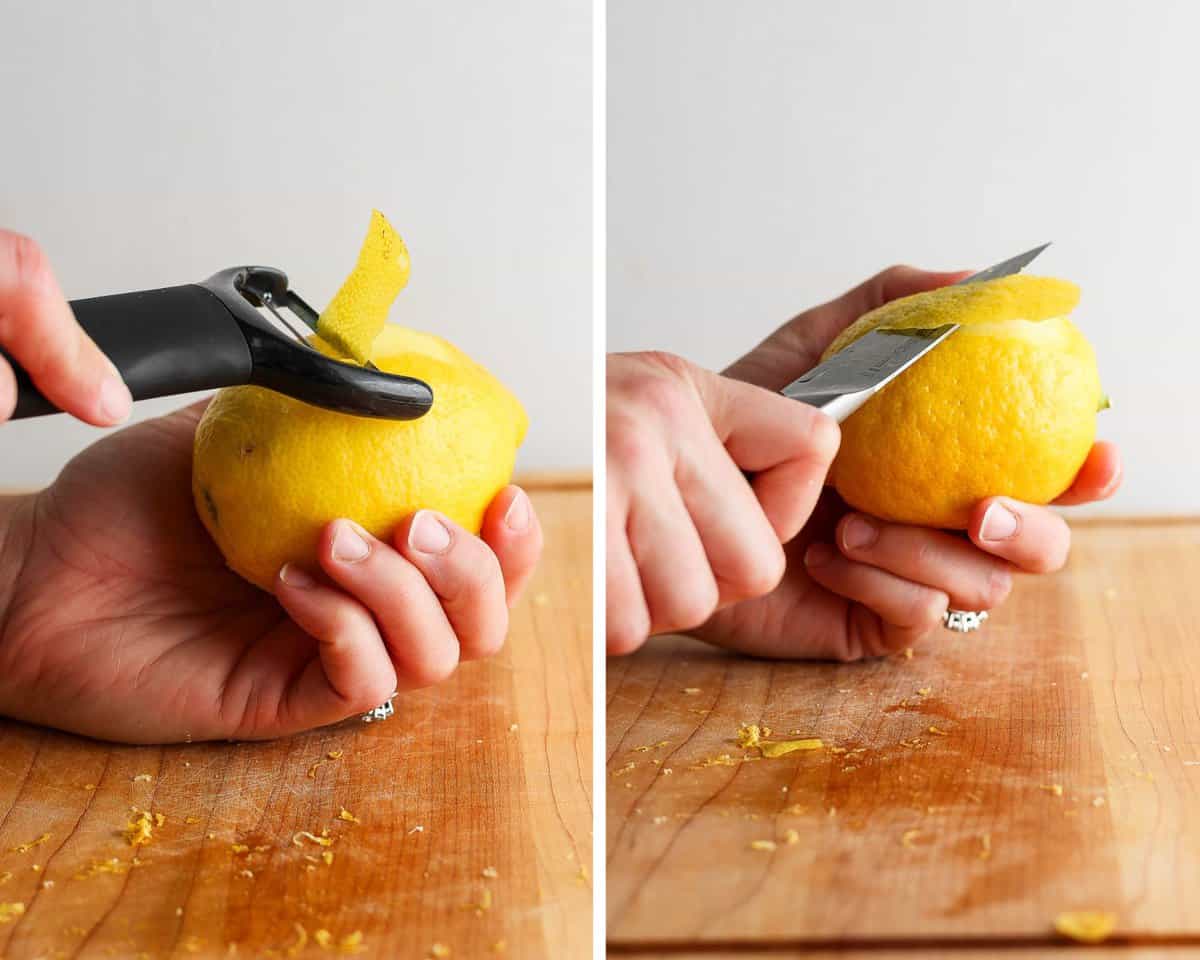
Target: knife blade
x=847, y=380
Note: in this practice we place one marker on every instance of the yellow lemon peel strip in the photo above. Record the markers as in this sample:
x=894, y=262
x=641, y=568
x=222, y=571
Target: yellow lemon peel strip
x=26, y=847
x=358, y=312
x=1019, y=297
x=1086, y=926
x=752, y=735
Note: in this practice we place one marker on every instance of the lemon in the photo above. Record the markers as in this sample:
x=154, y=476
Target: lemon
x=1005, y=406
x=268, y=472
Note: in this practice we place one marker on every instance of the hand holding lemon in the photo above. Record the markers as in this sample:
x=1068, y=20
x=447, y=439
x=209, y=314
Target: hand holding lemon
x=123, y=620
x=852, y=584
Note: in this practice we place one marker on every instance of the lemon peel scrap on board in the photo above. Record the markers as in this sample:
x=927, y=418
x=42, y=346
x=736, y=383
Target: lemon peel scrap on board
x=1086, y=926
x=751, y=736
x=140, y=828
x=10, y=911
x=301, y=835
x=357, y=313
x=26, y=847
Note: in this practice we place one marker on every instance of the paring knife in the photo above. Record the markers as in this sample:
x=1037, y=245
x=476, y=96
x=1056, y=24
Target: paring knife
x=847, y=380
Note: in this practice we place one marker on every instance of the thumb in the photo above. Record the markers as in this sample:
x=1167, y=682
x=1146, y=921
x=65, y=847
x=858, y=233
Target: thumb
x=39, y=331
x=787, y=446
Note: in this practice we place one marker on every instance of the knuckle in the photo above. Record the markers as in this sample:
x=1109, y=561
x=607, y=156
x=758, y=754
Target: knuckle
x=686, y=606
x=669, y=398
x=924, y=608
x=478, y=573
x=369, y=694
x=628, y=441
x=343, y=624
x=490, y=633
x=627, y=631
x=432, y=669
x=997, y=588
x=825, y=437
x=759, y=573
x=927, y=554
x=892, y=273
x=1050, y=561
x=669, y=362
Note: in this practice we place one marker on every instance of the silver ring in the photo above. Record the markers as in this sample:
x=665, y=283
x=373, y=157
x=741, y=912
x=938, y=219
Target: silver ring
x=963, y=621
x=383, y=711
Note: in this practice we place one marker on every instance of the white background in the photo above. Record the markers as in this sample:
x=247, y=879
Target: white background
x=767, y=156
x=148, y=144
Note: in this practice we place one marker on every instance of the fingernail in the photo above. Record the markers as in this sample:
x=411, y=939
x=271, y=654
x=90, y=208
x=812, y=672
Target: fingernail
x=999, y=523
x=115, y=400
x=818, y=555
x=427, y=533
x=518, y=514
x=295, y=577
x=859, y=532
x=349, y=546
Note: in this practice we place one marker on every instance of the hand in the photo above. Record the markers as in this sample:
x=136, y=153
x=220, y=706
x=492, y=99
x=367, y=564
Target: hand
x=120, y=620
x=38, y=329
x=857, y=586
x=686, y=533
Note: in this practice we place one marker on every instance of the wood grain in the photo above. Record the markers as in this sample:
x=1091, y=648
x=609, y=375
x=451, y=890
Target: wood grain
x=489, y=772
x=1087, y=680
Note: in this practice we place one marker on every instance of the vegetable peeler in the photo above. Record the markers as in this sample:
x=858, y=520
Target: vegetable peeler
x=847, y=380
x=244, y=325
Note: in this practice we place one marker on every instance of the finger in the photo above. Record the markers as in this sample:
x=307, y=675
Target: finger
x=764, y=431
x=1098, y=478
x=512, y=529
x=354, y=672
x=909, y=610
x=39, y=330
x=674, y=570
x=8, y=391
x=742, y=547
x=1034, y=538
x=627, y=620
x=419, y=638
x=972, y=580
x=465, y=574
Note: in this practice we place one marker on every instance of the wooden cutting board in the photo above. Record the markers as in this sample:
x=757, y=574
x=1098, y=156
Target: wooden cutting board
x=474, y=802
x=934, y=813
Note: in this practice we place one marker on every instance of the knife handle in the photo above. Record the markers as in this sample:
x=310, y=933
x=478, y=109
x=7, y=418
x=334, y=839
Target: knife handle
x=163, y=342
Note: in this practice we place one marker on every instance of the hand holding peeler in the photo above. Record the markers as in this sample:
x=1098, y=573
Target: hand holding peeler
x=243, y=325
x=847, y=380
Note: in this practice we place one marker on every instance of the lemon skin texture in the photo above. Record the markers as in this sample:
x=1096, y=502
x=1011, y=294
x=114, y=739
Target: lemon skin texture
x=1006, y=406
x=269, y=471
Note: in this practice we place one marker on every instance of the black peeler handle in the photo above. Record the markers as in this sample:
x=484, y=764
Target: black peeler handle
x=167, y=341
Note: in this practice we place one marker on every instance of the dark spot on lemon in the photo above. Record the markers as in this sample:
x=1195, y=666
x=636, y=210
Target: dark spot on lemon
x=212, y=507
